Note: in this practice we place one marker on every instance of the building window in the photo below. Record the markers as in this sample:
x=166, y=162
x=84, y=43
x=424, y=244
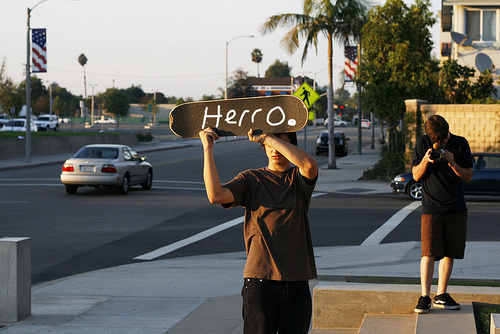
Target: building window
x=481, y=25
x=446, y=49
x=489, y=26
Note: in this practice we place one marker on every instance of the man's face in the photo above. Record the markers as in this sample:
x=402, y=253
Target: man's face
x=275, y=156
x=444, y=142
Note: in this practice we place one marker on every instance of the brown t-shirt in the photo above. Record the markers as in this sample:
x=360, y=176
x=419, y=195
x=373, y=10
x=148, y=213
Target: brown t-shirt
x=276, y=228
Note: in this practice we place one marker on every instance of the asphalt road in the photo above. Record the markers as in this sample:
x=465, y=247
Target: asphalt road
x=98, y=228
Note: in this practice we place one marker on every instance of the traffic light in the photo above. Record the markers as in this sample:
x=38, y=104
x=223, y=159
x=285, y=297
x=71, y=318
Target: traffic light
x=341, y=109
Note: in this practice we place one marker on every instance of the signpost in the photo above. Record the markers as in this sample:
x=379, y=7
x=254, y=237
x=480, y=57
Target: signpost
x=309, y=97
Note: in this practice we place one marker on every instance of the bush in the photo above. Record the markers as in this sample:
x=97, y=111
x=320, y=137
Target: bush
x=144, y=137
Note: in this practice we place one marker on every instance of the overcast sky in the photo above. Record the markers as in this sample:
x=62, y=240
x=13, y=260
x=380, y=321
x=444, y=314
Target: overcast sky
x=174, y=47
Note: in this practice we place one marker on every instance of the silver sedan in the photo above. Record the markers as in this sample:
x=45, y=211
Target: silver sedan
x=106, y=165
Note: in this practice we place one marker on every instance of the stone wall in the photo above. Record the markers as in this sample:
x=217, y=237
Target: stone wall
x=478, y=123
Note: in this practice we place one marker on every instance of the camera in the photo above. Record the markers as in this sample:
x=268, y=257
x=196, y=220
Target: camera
x=437, y=155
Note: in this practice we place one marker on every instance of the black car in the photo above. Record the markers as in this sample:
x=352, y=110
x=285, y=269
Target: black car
x=341, y=146
x=485, y=180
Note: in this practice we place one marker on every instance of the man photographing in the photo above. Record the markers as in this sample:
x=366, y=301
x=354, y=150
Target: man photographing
x=441, y=162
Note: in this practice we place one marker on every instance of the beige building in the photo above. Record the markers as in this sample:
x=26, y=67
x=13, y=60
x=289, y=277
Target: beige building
x=470, y=34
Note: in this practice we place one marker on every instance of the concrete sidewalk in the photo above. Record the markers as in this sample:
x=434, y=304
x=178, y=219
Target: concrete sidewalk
x=200, y=294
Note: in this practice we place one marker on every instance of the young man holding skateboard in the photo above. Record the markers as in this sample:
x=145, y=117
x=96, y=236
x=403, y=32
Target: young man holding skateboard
x=280, y=258
x=442, y=162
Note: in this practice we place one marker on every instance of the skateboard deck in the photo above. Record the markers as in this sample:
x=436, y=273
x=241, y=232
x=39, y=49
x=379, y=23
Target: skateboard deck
x=235, y=117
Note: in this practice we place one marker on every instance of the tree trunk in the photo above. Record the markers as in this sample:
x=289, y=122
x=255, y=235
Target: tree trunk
x=332, y=164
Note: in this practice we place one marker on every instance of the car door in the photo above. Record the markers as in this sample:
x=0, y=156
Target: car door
x=132, y=165
x=142, y=168
x=486, y=177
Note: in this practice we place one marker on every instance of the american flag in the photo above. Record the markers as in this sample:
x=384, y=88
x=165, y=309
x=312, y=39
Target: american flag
x=296, y=83
x=351, y=62
x=39, y=50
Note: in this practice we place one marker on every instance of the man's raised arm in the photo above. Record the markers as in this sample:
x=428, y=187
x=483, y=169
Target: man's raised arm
x=216, y=193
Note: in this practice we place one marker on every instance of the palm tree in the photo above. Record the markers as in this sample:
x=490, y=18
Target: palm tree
x=341, y=20
x=257, y=58
x=83, y=60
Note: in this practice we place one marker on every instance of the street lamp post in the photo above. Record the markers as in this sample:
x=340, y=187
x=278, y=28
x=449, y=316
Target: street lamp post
x=28, y=84
x=92, y=107
x=155, y=110
x=50, y=97
x=227, y=46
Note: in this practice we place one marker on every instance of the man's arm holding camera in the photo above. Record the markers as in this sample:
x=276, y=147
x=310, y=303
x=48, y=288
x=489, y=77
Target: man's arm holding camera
x=464, y=173
x=419, y=170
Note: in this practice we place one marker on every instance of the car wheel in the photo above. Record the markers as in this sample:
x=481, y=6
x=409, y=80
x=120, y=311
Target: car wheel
x=342, y=125
x=71, y=189
x=149, y=181
x=125, y=185
x=56, y=128
x=415, y=190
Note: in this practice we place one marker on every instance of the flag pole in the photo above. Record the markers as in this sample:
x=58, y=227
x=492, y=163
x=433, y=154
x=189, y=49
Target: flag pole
x=28, y=92
x=360, y=137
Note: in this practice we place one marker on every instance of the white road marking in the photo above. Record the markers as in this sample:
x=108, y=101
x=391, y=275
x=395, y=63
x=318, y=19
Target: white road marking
x=376, y=237
x=195, y=238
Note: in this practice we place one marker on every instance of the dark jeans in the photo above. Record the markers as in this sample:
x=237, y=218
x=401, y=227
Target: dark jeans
x=276, y=306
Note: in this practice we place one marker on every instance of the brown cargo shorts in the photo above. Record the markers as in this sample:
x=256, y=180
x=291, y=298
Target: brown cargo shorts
x=444, y=235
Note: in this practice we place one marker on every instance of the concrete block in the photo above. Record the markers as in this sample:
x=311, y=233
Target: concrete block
x=343, y=305
x=447, y=321
x=388, y=323
x=15, y=279
x=495, y=323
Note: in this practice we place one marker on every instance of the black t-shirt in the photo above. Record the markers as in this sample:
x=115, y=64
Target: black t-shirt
x=441, y=188
x=276, y=228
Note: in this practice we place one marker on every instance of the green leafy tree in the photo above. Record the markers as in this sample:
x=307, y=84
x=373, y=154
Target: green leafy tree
x=116, y=102
x=37, y=91
x=206, y=97
x=397, y=63
x=278, y=70
x=457, y=88
x=60, y=107
x=239, y=86
x=82, y=60
x=340, y=20
x=8, y=93
x=257, y=58
x=135, y=94
x=454, y=81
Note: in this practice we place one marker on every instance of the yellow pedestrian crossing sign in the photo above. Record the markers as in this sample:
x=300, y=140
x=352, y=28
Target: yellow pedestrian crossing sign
x=307, y=94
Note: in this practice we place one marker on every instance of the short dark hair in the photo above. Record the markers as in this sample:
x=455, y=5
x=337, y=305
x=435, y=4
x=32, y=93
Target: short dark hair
x=291, y=135
x=437, y=128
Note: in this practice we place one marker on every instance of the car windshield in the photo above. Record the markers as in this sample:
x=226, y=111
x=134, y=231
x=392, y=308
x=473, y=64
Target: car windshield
x=42, y=118
x=97, y=153
x=15, y=123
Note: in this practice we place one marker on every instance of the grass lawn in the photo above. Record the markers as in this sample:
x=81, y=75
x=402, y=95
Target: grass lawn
x=482, y=315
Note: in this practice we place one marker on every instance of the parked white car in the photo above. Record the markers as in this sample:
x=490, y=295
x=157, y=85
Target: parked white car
x=47, y=122
x=18, y=124
x=105, y=121
x=366, y=124
x=337, y=122
x=3, y=119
